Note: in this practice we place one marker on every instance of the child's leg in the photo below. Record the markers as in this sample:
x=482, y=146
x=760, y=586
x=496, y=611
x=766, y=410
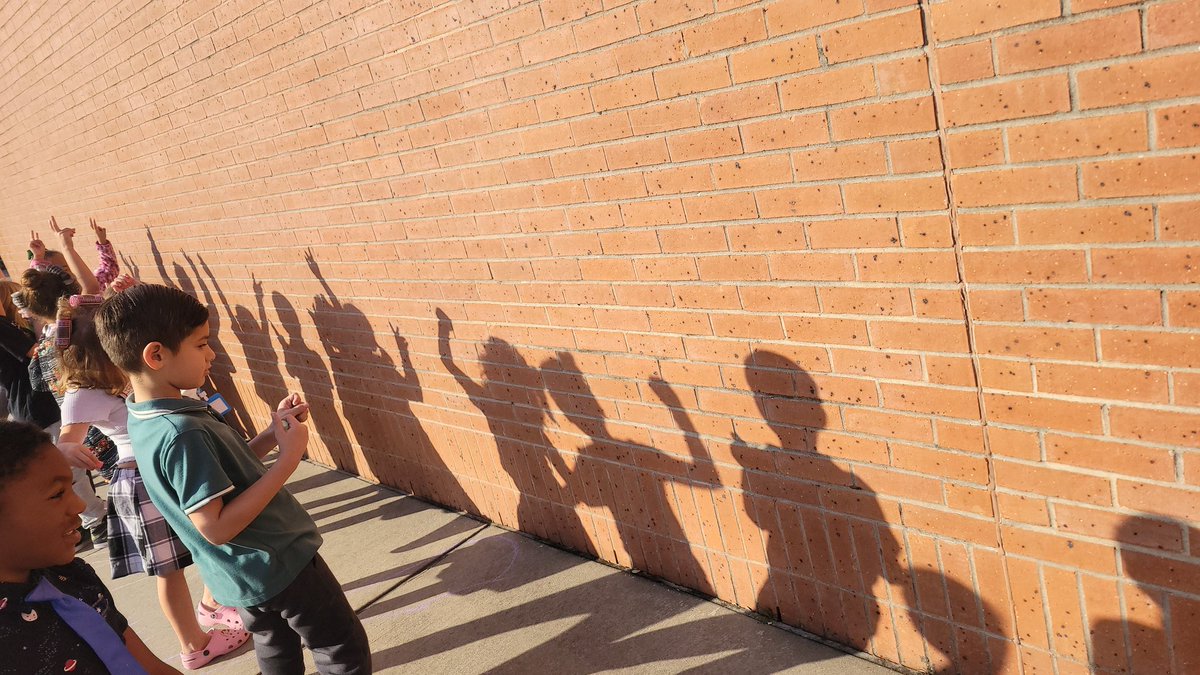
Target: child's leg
x=176, y=600
x=276, y=646
x=94, y=509
x=315, y=608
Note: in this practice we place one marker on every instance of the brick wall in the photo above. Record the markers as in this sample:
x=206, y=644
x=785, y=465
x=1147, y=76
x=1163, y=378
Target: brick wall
x=876, y=317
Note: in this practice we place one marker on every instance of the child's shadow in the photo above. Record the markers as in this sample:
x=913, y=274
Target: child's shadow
x=1148, y=609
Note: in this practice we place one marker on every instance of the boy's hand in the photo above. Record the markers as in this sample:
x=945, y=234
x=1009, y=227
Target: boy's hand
x=101, y=233
x=65, y=234
x=293, y=400
x=37, y=246
x=291, y=434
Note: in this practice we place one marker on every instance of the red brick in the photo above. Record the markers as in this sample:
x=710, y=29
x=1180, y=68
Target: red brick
x=790, y=132
x=1069, y=44
x=789, y=16
x=1172, y=23
x=902, y=76
x=1042, y=412
x=691, y=77
x=964, y=62
x=1036, y=342
x=1146, y=265
x=905, y=116
x=960, y=18
x=1148, y=79
x=757, y=101
x=774, y=59
x=753, y=171
x=1079, y=138
x=1156, y=426
x=1094, y=306
x=912, y=194
x=842, y=161
x=1008, y=100
x=1098, y=225
x=725, y=31
x=1178, y=174
x=892, y=33
x=657, y=14
x=1177, y=127
x=1015, y=186
x=854, y=233
x=969, y=149
x=1025, y=266
x=823, y=87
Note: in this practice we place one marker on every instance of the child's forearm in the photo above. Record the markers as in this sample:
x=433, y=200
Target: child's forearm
x=264, y=442
x=220, y=522
x=85, y=277
x=109, y=267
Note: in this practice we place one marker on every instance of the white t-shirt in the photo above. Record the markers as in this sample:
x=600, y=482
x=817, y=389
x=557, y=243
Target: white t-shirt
x=103, y=411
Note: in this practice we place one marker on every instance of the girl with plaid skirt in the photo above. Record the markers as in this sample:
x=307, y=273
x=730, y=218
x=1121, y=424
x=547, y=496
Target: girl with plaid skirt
x=139, y=540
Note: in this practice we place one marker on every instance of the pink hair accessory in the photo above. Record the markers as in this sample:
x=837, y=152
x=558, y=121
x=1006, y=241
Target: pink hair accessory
x=85, y=300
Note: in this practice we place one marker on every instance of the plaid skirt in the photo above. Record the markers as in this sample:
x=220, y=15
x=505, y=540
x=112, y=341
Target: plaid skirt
x=139, y=538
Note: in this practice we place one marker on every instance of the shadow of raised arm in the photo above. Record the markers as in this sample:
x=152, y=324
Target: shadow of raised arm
x=408, y=374
x=701, y=467
x=445, y=327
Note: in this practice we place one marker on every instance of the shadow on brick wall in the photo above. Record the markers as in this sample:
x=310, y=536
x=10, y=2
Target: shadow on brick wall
x=389, y=443
x=1142, y=642
x=828, y=544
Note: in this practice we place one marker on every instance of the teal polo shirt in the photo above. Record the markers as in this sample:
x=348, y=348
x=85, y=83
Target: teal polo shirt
x=187, y=457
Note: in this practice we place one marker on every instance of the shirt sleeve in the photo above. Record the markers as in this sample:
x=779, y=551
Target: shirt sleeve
x=109, y=267
x=14, y=340
x=193, y=468
x=81, y=406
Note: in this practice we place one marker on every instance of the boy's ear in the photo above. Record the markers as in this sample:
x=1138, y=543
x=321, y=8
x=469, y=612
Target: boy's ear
x=152, y=355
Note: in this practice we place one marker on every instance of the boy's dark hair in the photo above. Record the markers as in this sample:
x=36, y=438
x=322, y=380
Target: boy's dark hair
x=145, y=313
x=19, y=444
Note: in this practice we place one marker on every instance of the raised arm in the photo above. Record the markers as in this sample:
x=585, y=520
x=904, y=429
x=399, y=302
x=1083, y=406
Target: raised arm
x=445, y=326
x=109, y=268
x=85, y=277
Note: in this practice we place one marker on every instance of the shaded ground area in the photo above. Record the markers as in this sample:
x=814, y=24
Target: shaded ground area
x=442, y=593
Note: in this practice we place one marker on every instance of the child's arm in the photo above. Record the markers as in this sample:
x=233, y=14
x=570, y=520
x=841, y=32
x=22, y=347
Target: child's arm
x=70, y=444
x=220, y=522
x=109, y=267
x=79, y=268
x=146, y=658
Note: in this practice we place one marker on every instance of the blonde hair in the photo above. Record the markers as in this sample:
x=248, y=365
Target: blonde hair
x=83, y=364
x=7, y=288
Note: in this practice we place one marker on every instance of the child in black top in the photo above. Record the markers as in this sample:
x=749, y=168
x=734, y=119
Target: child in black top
x=39, y=521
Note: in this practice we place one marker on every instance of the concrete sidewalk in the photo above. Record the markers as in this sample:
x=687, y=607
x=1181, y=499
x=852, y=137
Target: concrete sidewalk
x=442, y=593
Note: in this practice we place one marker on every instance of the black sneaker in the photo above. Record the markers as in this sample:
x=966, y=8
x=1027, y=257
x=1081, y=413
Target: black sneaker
x=85, y=540
x=99, y=534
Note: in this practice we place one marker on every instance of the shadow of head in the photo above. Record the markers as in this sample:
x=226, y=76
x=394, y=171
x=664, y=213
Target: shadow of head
x=787, y=398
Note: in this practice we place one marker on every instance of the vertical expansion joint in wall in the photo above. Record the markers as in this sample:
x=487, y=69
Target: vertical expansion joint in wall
x=956, y=241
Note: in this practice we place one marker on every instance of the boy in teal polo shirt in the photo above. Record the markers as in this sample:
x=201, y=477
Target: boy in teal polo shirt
x=254, y=543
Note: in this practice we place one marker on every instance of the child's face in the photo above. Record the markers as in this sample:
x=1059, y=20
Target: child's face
x=39, y=517
x=188, y=367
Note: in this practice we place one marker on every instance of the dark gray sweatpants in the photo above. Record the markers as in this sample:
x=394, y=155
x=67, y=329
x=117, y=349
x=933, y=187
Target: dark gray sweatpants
x=313, y=608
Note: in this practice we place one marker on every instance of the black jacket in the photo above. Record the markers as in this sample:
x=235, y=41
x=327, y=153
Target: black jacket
x=24, y=404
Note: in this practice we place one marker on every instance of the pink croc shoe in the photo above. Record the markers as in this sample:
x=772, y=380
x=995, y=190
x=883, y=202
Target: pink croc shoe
x=221, y=616
x=220, y=643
